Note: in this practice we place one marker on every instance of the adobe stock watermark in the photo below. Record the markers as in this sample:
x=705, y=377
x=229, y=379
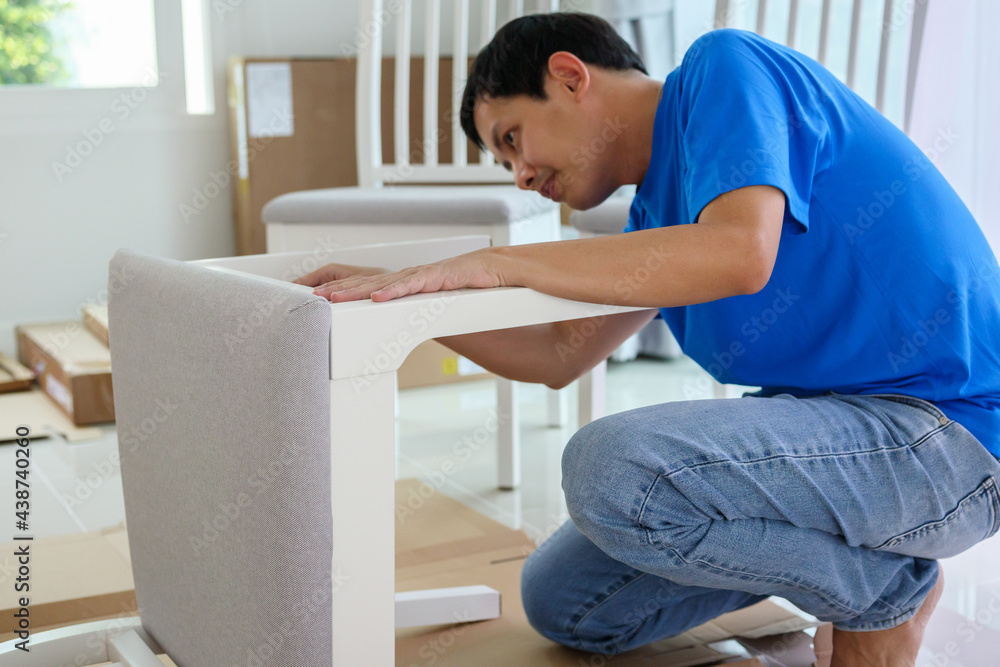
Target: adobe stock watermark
x=56, y=341
x=462, y=451
x=229, y=513
x=926, y=329
x=292, y=622
x=437, y=646
x=130, y=438
x=752, y=331
x=364, y=33
x=584, y=156
x=121, y=108
x=581, y=332
x=914, y=168
x=218, y=181
x=403, y=342
x=901, y=13
x=968, y=630
x=223, y=7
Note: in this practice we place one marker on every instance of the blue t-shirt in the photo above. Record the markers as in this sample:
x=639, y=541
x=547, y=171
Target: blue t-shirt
x=883, y=282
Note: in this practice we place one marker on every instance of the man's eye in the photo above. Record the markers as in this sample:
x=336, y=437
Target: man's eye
x=509, y=138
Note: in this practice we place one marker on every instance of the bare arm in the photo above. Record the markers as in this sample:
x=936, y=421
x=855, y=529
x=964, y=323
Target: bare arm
x=731, y=251
x=554, y=353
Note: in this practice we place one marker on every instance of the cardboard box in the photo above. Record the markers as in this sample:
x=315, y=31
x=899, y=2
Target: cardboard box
x=320, y=149
x=95, y=317
x=431, y=363
x=14, y=376
x=73, y=367
x=439, y=543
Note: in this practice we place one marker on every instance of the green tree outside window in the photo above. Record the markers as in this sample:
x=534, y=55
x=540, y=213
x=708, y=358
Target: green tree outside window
x=26, y=44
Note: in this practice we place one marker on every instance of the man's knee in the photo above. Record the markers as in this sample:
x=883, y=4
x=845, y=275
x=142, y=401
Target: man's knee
x=538, y=576
x=592, y=456
x=618, y=485
x=556, y=616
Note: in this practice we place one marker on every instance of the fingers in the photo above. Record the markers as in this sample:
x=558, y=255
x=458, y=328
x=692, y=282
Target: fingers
x=383, y=287
x=332, y=272
x=318, y=277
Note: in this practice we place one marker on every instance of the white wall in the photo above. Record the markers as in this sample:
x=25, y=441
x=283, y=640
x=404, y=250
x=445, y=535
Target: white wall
x=58, y=231
x=956, y=101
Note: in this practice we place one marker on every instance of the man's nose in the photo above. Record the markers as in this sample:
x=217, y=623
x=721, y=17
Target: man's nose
x=524, y=175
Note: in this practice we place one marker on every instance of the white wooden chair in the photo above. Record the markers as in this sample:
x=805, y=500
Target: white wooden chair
x=409, y=200
x=902, y=22
x=271, y=384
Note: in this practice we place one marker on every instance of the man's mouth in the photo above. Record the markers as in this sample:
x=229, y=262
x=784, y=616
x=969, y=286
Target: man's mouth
x=549, y=188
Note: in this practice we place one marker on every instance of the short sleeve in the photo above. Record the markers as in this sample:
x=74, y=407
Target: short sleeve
x=636, y=215
x=747, y=118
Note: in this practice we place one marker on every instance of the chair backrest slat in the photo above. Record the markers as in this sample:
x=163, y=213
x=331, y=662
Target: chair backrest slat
x=916, y=34
x=899, y=21
x=883, y=56
x=516, y=9
x=369, y=98
x=824, y=32
x=459, y=73
x=432, y=53
x=853, y=44
x=761, y=16
x=721, y=18
x=793, y=21
x=489, y=28
x=406, y=166
x=401, y=116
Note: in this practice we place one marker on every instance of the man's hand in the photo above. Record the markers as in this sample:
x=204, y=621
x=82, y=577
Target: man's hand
x=331, y=272
x=473, y=269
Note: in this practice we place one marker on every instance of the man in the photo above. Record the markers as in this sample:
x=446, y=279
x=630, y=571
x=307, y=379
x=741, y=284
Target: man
x=793, y=239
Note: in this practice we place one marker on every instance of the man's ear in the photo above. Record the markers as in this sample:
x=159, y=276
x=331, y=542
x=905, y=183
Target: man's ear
x=569, y=73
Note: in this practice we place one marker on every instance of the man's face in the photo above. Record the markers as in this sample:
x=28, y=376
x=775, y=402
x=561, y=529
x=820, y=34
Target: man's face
x=549, y=145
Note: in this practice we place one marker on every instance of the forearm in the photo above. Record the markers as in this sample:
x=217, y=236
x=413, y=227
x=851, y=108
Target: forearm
x=672, y=266
x=552, y=354
x=525, y=354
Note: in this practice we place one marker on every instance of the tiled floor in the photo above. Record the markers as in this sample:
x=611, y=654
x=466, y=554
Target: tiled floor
x=78, y=487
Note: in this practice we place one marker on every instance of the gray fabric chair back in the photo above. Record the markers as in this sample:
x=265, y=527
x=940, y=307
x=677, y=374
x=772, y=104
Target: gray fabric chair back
x=221, y=387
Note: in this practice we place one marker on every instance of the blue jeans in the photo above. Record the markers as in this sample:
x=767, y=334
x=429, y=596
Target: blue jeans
x=683, y=511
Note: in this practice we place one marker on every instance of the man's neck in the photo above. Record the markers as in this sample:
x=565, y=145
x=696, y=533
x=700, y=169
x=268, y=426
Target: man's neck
x=632, y=104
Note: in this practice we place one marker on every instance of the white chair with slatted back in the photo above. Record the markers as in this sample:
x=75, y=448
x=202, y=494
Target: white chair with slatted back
x=419, y=196
x=898, y=22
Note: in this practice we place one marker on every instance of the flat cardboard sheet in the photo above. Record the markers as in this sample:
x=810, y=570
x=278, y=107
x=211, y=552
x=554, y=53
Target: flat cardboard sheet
x=13, y=375
x=95, y=317
x=439, y=543
x=73, y=578
x=36, y=410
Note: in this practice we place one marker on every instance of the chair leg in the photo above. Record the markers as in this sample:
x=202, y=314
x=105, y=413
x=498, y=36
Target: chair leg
x=557, y=406
x=592, y=399
x=508, y=436
x=362, y=496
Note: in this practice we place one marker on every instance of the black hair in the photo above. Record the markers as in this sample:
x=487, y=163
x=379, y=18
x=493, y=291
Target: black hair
x=516, y=60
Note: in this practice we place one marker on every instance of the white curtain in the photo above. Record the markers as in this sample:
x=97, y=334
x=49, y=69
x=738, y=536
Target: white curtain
x=956, y=104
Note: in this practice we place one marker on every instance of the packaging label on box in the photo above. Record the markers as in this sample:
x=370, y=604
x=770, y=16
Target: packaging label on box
x=269, y=99
x=58, y=391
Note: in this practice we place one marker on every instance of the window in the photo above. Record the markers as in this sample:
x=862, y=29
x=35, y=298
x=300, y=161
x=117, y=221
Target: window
x=78, y=44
